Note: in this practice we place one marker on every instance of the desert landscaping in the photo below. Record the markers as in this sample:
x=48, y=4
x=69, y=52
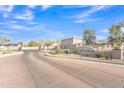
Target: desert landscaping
x=62, y=47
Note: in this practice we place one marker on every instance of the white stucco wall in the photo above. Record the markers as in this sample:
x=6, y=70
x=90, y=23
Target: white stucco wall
x=71, y=42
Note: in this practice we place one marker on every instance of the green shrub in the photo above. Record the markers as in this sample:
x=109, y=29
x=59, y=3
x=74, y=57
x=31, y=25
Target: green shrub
x=72, y=51
x=100, y=54
x=56, y=51
x=108, y=57
x=6, y=52
x=117, y=48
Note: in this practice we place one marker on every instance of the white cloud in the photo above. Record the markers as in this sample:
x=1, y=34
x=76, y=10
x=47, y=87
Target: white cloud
x=85, y=20
x=32, y=6
x=13, y=28
x=102, y=34
x=28, y=15
x=84, y=17
x=7, y=23
x=17, y=27
x=45, y=7
x=93, y=9
x=101, y=37
x=32, y=23
x=12, y=21
x=7, y=32
x=104, y=31
x=5, y=10
x=5, y=15
x=26, y=27
x=74, y=6
x=1, y=23
x=20, y=27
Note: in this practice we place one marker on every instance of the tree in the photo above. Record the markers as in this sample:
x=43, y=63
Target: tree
x=89, y=36
x=40, y=44
x=58, y=41
x=115, y=35
x=123, y=37
x=33, y=44
x=121, y=24
x=0, y=39
x=5, y=40
x=21, y=43
x=49, y=43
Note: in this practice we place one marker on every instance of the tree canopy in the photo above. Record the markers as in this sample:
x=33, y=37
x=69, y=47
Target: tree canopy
x=89, y=36
x=33, y=44
x=116, y=34
x=5, y=39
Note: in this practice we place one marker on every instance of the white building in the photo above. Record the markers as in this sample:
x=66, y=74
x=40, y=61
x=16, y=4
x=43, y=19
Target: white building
x=10, y=47
x=71, y=43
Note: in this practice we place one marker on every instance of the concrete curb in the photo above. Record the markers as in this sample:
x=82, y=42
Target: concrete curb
x=91, y=59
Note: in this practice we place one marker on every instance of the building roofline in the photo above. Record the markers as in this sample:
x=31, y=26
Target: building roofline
x=9, y=44
x=73, y=38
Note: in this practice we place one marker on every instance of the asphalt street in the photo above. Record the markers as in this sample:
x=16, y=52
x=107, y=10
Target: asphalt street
x=34, y=70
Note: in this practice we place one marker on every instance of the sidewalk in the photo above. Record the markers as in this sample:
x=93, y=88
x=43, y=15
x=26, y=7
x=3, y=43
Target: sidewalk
x=79, y=57
x=10, y=54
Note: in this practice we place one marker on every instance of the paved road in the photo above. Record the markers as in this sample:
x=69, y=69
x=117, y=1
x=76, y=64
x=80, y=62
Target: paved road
x=33, y=69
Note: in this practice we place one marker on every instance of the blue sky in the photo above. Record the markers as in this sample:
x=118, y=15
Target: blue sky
x=25, y=23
